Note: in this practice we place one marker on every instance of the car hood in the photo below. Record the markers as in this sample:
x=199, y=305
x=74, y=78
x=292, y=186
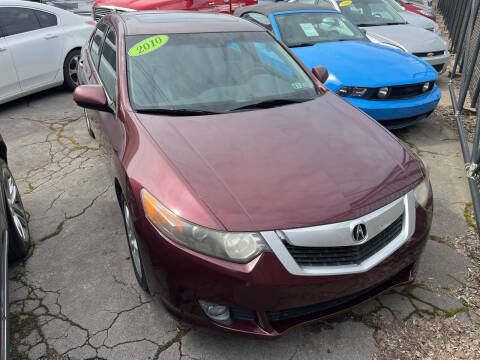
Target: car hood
x=411, y=38
x=417, y=20
x=297, y=165
x=361, y=63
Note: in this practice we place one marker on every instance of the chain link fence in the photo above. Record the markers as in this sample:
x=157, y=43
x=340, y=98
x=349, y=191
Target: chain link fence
x=462, y=19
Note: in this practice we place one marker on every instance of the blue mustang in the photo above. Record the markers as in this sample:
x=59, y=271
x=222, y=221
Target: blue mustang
x=393, y=87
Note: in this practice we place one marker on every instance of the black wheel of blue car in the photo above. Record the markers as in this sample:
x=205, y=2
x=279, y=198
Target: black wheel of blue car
x=19, y=242
x=132, y=239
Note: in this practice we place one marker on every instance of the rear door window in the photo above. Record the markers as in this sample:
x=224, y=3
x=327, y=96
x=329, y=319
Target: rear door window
x=107, y=68
x=46, y=19
x=96, y=43
x=18, y=20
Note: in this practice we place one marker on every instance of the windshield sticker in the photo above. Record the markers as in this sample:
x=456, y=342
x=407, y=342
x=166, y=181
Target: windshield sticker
x=345, y=3
x=148, y=45
x=298, y=86
x=309, y=30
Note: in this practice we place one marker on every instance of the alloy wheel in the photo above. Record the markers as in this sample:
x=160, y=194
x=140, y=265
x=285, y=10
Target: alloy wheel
x=73, y=69
x=132, y=239
x=15, y=207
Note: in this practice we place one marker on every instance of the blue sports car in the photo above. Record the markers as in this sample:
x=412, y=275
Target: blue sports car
x=393, y=87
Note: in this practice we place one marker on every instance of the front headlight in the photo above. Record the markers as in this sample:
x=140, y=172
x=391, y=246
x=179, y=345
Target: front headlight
x=238, y=247
x=426, y=13
x=352, y=91
x=422, y=191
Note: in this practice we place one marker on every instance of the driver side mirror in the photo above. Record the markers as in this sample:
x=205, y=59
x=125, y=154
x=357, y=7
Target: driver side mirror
x=321, y=73
x=91, y=97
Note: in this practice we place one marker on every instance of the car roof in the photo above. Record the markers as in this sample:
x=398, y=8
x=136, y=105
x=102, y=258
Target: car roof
x=270, y=8
x=173, y=22
x=39, y=6
x=25, y=3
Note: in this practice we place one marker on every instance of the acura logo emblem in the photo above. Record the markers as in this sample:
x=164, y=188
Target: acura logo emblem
x=359, y=233
x=430, y=54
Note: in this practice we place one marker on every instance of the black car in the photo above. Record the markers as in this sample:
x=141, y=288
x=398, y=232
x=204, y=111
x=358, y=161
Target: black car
x=15, y=237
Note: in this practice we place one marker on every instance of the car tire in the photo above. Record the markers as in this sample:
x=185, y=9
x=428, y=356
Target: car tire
x=132, y=241
x=70, y=69
x=19, y=235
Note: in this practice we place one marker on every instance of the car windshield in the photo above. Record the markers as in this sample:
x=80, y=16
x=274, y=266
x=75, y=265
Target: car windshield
x=370, y=12
x=396, y=5
x=189, y=74
x=308, y=28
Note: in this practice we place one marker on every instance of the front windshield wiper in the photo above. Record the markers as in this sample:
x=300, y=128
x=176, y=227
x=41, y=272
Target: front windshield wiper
x=175, y=112
x=271, y=103
x=302, y=44
x=390, y=23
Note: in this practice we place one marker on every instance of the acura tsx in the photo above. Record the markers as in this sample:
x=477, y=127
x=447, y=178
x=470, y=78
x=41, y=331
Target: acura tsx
x=254, y=199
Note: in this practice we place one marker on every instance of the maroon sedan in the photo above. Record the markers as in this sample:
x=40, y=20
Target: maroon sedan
x=254, y=199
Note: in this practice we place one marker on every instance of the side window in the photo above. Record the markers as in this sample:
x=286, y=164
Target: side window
x=17, y=20
x=46, y=19
x=260, y=19
x=108, y=65
x=96, y=42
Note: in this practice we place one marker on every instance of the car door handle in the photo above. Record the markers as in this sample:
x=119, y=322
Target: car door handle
x=51, y=36
x=3, y=49
x=211, y=4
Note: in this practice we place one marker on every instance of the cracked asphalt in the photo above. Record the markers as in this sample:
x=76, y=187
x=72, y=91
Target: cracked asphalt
x=76, y=297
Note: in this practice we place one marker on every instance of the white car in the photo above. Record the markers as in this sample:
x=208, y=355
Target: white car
x=39, y=47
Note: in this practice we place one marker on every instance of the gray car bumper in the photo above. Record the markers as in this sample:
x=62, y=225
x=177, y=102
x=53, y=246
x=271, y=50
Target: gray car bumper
x=439, y=62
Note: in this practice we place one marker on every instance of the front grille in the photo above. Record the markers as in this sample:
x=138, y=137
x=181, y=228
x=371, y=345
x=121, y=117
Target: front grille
x=429, y=54
x=398, y=92
x=279, y=315
x=99, y=13
x=345, y=255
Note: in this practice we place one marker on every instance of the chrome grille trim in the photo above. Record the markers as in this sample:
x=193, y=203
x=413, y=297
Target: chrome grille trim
x=405, y=204
x=100, y=11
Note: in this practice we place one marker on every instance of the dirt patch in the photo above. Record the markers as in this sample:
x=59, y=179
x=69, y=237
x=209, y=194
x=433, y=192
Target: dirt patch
x=438, y=339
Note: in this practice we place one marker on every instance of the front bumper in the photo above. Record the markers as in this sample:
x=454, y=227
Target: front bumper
x=398, y=109
x=440, y=62
x=262, y=291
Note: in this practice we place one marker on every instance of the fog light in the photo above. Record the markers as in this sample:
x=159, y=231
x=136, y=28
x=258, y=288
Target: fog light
x=383, y=92
x=426, y=86
x=216, y=312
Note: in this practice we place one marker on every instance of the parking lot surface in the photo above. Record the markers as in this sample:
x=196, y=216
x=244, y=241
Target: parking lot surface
x=76, y=296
